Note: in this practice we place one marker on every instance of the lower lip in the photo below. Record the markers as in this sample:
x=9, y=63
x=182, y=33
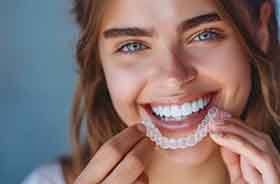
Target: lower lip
x=187, y=125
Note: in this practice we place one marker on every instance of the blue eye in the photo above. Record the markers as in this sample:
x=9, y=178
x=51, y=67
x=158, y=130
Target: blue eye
x=132, y=47
x=207, y=36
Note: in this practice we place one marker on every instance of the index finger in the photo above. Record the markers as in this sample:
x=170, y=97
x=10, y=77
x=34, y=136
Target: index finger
x=110, y=153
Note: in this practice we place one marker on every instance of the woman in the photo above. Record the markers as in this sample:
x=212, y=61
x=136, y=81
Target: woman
x=137, y=58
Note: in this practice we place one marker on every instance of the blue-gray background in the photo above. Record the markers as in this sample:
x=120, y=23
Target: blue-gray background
x=37, y=76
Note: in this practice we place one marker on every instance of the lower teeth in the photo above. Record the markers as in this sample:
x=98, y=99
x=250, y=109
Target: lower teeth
x=181, y=143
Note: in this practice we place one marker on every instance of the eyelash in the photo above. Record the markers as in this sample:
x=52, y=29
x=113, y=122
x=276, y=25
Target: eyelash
x=216, y=35
x=137, y=43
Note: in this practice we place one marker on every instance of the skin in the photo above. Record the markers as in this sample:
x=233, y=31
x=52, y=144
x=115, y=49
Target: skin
x=215, y=62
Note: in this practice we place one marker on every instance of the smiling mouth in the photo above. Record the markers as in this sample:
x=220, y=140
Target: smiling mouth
x=179, y=133
x=180, y=111
x=185, y=125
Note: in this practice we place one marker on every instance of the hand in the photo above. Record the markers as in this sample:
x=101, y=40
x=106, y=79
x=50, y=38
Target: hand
x=250, y=156
x=120, y=160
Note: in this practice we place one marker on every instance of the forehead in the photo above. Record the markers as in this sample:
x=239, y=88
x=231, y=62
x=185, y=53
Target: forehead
x=154, y=12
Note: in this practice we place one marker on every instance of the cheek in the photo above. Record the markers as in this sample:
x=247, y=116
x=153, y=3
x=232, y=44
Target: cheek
x=124, y=87
x=229, y=67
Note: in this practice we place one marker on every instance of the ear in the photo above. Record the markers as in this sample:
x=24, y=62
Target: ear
x=263, y=31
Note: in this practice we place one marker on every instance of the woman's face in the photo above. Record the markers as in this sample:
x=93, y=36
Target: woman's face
x=165, y=52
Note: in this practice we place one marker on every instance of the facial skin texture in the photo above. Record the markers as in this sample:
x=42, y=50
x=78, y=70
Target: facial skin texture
x=165, y=58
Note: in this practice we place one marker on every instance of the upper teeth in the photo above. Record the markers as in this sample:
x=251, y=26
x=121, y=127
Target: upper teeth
x=185, y=109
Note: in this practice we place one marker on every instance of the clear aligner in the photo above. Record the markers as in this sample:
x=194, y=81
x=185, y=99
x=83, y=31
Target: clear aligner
x=180, y=143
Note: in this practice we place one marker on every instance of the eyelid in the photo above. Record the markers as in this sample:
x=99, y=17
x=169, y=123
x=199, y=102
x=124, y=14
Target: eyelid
x=209, y=29
x=124, y=43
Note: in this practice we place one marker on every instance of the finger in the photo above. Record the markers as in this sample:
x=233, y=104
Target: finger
x=232, y=162
x=245, y=125
x=264, y=139
x=249, y=172
x=220, y=115
x=259, y=159
x=261, y=140
x=132, y=166
x=110, y=154
x=240, y=129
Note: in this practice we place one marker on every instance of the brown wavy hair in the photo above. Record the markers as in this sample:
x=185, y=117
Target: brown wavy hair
x=94, y=120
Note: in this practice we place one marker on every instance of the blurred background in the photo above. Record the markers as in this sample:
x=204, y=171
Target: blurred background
x=37, y=78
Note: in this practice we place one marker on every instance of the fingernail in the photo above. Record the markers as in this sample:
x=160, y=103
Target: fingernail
x=141, y=128
x=221, y=115
x=213, y=111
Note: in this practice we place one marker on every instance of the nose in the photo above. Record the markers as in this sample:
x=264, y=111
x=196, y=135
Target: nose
x=175, y=72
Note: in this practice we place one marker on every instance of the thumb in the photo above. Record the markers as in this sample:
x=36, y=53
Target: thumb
x=232, y=162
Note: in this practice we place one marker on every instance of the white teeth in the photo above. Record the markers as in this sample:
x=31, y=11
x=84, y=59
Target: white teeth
x=200, y=103
x=167, y=111
x=177, y=111
x=187, y=109
x=195, y=107
x=181, y=143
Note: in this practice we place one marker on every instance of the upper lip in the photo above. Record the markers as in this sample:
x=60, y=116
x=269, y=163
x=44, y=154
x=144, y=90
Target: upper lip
x=179, y=100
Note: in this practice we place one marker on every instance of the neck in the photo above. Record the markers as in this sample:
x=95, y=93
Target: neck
x=164, y=171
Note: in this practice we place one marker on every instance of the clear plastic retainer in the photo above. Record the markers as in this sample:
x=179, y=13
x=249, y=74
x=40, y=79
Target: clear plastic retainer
x=180, y=143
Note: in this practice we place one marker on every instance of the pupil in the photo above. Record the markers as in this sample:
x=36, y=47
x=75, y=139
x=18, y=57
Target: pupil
x=134, y=46
x=206, y=35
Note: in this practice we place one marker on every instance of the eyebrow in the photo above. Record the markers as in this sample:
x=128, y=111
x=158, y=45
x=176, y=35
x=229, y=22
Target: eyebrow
x=197, y=21
x=140, y=32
